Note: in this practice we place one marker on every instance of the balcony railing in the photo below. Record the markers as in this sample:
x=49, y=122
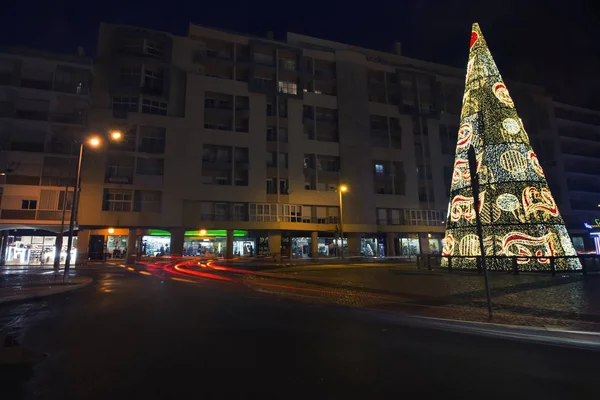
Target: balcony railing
x=68, y=118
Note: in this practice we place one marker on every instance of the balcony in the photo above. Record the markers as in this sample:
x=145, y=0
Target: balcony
x=68, y=118
x=152, y=90
x=73, y=88
x=202, y=55
x=32, y=115
x=36, y=84
x=120, y=179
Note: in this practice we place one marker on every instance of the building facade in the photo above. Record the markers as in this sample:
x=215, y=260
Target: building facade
x=238, y=145
x=579, y=135
x=44, y=101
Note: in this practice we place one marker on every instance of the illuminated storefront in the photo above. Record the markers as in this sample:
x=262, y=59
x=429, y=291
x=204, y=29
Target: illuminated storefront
x=116, y=246
x=202, y=243
x=35, y=249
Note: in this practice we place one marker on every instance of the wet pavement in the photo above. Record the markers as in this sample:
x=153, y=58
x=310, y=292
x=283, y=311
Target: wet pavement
x=138, y=333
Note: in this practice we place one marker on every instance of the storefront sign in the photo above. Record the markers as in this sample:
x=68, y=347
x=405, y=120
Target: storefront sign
x=591, y=226
x=210, y=232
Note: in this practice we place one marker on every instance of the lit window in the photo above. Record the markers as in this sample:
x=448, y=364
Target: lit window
x=288, y=87
x=379, y=169
x=117, y=200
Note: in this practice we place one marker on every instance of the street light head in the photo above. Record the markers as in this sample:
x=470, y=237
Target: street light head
x=202, y=232
x=94, y=141
x=116, y=135
x=111, y=230
x=343, y=188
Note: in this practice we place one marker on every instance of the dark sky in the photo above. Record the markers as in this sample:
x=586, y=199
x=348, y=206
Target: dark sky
x=552, y=43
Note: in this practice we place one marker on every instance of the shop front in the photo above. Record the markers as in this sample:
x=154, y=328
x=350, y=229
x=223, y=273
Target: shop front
x=373, y=246
x=199, y=243
x=35, y=248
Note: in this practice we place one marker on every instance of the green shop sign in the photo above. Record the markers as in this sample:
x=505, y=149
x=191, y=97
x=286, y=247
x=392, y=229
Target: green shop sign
x=210, y=232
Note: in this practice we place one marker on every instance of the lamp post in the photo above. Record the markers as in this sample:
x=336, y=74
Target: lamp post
x=341, y=190
x=94, y=141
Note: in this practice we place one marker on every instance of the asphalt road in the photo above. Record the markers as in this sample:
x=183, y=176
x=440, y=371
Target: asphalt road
x=131, y=336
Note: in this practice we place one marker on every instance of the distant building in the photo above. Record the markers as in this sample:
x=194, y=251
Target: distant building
x=579, y=143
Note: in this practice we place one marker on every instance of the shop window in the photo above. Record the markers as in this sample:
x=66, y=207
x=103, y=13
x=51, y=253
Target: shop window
x=152, y=139
x=28, y=204
x=117, y=200
x=379, y=169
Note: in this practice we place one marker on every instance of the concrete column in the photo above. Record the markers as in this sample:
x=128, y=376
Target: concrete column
x=390, y=248
x=424, y=244
x=229, y=244
x=176, y=246
x=83, y=245
x=138, y=250
x=314, y=244
x=353, y=244
x=3, y=247
x=275, y=243
x=131, y=242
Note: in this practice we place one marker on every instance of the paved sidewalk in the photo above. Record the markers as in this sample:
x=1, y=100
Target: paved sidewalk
x=18, y=283
x=570, y=300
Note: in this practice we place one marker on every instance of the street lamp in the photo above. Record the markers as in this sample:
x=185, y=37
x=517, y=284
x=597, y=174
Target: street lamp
x=341, y=190
x=93, y=141
x=202, y=232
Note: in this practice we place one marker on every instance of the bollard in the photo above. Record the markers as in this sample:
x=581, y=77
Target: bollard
x=584, y=267
x=478, y=263
x=515, y=265
x=429, y=262
x=450, y=264
x=553, y=266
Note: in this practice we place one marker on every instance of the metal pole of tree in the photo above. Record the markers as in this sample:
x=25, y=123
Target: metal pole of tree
x=59, y=238
x=475, y=189
x=73, y=212
x=340, y=191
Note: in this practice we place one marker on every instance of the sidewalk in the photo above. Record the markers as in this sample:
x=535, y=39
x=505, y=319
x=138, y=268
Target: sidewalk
x=568, y=300
x=19, y=283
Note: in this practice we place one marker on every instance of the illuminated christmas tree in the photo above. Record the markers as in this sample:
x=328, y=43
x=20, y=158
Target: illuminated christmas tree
x=518, y=213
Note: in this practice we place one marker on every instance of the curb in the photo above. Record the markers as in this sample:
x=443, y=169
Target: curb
x=46, y=293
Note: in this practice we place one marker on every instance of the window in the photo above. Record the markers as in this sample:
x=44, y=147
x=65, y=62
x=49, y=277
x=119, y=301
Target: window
x=154, y=107
x=117, y=200
x=271, y=159
x=271, y=186
x=220, y=211
x=239, y=212
x=288, y=65
x=153, y=48
x=283, y=186
x=152, y=139
x=271, y=135
x=119, y=169
x=153, y=81
x=240, y=155
x=221, y=180
x=270, y=111
x=283, y=160
x=125, y=103
x=283, y=135
x=28, y=204
x=129, y=77
x=150, y=166
x=379, y=169
x=148, y=201
x=288, y=87
x=263, y=58
x=61, y=200
x=210, y=103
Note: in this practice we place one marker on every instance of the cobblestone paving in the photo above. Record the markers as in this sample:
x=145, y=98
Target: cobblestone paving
x=528, y=299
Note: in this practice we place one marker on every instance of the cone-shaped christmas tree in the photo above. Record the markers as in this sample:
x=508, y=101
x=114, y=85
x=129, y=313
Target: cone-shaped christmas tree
x=517, y=211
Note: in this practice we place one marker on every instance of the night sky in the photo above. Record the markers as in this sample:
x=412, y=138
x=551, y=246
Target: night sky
x=555, y=44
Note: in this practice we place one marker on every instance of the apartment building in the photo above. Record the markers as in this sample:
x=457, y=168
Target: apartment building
x=238, y=145
x=579, y=135
x=44, y=99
